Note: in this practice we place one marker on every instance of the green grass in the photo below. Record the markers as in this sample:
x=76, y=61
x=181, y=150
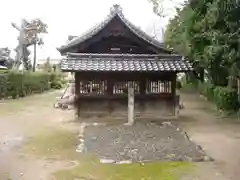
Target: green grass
x=61, y=144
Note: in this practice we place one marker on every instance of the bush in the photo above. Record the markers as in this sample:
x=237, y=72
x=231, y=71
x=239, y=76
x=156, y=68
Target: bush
x=226, y=98
x=57, y=80
x=3, y=85
x=207, y=90
x=56, y=85
x=20, y=84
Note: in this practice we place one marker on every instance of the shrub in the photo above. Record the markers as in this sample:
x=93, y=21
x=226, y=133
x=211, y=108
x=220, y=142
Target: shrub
x=20, y=84
x=3, y=85
x=207, y=90
x=56, y=85
x=226, y=98
x=57, y=80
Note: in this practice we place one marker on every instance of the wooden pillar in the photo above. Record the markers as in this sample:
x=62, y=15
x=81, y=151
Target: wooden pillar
x=173, y=89
x=77, y=93
x=130, y=105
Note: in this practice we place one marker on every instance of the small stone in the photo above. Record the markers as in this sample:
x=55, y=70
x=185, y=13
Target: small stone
x=199, y=147
x=21, y=174
x=167, y=123
x=207, y=158
x=80, y=148
x=124, y=162
x=189, y=159
x=107, y=161
x=178, y=129
x=172, y=155
x=169, y=138
x=56, y=105
x=135, y=150
x=70, y=107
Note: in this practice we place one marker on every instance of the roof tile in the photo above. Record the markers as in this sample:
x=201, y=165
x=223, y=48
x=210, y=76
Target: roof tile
x=120, y=63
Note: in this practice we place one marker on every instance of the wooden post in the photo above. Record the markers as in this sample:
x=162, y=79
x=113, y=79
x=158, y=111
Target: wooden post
x=173, y=90
x=77, y=93
x=238, y=87
x=130, y=105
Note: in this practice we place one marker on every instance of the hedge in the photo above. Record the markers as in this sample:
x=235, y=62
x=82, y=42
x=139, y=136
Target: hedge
x=20, y=84
x=225, y=98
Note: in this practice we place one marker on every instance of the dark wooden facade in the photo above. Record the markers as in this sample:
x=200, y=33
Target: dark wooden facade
x=116, y=55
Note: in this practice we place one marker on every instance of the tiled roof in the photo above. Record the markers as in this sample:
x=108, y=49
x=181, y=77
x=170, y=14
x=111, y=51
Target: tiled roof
x=115, y=11
x=125, y=62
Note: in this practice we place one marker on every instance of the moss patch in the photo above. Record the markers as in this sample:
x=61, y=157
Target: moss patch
x=53, y=143
x=149, y=171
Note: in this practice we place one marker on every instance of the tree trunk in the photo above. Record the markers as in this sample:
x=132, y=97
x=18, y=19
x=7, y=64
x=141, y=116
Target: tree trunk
x=201, y=75
x=34, y=56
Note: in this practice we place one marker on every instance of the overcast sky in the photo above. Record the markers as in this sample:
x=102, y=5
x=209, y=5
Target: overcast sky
x=70, y=17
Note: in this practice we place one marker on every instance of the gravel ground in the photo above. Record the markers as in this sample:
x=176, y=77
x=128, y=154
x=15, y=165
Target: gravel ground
x=141, y=142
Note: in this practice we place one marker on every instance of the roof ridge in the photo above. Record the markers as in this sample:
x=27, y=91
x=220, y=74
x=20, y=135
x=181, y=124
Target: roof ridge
x=122, y=54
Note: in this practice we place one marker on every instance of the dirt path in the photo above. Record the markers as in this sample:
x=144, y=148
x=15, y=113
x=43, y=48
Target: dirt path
x=220, y=138
x=19, y=120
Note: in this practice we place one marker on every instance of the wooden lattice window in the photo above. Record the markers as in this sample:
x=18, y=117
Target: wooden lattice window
x=158, y=87
x=94, y=87
x=122, y=87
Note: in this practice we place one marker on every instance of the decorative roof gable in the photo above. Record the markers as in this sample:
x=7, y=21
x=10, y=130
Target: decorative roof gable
x=115, y=11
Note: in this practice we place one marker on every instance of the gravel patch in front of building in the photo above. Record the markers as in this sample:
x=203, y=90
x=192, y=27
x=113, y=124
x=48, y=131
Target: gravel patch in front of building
x=141, y=142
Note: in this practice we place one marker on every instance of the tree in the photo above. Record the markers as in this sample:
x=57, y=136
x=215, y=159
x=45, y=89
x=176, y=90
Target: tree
x=5, y=58
x=29, y=35
x=47, y=65
x=207, y=33
x=161, y=9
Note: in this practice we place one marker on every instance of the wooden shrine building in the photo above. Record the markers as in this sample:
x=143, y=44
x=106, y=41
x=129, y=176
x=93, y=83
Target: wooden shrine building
x=114, y=55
